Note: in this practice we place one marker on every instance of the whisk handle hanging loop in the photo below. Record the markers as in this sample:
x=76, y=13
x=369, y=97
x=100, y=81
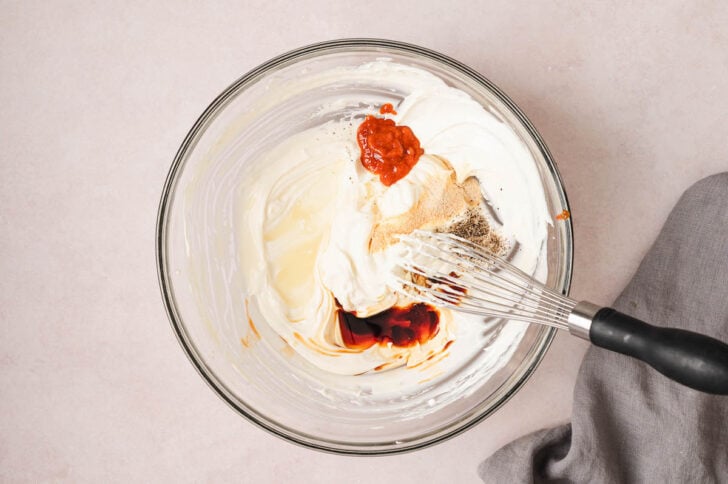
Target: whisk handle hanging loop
x=695, y=360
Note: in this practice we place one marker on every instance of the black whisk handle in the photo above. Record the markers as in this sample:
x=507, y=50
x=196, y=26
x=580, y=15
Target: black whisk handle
x=695, y=360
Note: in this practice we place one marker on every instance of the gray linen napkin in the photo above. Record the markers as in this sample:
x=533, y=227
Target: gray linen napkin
x=630, y=423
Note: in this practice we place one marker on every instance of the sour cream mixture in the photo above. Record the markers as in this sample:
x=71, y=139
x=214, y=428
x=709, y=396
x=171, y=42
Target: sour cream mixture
x=322, y=229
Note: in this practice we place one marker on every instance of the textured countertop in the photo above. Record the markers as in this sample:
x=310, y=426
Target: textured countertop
x=96, y=98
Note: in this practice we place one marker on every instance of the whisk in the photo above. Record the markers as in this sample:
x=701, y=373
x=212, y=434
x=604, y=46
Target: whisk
x=448, y=271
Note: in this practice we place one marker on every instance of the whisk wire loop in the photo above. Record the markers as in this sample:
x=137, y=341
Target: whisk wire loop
x=449, y=271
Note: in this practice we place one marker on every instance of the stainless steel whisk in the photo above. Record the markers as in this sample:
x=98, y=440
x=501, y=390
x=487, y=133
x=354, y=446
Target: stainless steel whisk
x=448, y=271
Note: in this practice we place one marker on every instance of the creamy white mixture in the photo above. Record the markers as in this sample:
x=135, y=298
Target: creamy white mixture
x=311, y=213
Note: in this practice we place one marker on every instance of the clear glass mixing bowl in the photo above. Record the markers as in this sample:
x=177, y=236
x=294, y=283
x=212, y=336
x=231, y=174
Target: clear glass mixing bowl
x=200, y=270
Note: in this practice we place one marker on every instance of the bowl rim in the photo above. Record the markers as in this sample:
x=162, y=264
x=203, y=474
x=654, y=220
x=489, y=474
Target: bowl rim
x=326, y=445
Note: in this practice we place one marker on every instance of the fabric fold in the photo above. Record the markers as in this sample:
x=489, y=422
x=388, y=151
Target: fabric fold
x=629, y=423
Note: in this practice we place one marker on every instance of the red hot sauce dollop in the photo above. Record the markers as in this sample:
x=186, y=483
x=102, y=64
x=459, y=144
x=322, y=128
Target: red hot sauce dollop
x=387, y=150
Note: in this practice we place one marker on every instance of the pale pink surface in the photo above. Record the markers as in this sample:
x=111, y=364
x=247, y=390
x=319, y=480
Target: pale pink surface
x=97, y=96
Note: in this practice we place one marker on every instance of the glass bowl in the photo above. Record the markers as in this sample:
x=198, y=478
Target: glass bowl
x=200, y=266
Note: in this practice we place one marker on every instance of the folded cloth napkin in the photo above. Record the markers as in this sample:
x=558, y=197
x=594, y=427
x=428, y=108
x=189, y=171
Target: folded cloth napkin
x=630, y=423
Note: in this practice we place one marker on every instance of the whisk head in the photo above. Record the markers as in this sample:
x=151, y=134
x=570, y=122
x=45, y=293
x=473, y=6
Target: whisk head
x=448, y=271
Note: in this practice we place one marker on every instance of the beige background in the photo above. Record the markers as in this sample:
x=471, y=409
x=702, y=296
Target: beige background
x=97, y=96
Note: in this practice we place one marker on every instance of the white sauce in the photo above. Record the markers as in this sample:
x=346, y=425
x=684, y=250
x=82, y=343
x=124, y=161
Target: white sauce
x=311, y=211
